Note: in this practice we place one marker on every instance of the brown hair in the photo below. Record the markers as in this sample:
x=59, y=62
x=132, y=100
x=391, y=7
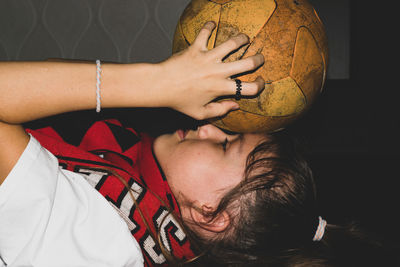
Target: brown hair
x=274, y=218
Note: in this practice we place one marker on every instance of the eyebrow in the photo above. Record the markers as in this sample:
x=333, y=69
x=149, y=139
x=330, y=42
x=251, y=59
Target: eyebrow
x=240, y=149
x=236, y=149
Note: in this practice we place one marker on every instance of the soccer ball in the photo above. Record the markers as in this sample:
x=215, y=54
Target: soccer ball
x=292, y=39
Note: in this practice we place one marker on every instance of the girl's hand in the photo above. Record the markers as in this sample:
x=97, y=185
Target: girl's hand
x=193, y=78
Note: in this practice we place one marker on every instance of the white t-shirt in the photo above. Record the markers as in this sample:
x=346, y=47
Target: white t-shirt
x=53, y=217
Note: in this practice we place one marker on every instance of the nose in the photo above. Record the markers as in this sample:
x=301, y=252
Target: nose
x=211, y=132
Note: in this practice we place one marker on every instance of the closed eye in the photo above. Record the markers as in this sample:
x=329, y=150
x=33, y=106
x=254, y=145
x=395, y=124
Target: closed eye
x=224, y=144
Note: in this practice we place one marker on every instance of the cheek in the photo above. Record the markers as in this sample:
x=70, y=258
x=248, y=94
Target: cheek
x=190, y=165
x=190, y=169
x=191, y=179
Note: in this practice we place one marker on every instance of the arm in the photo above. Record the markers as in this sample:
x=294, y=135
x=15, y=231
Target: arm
x=32, y=90
x=13, y=141
x=187, y=82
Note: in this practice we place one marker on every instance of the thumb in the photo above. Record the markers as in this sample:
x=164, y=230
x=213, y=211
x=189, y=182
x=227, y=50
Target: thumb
x=218, y=109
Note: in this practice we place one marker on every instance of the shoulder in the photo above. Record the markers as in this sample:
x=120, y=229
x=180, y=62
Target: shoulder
x=62, y=214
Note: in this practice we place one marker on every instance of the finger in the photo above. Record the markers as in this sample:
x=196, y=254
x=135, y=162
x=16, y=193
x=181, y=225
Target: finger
x=203, y=36
x=218, y=109
x=248, y=88
x=243, y=65
x=230, y=45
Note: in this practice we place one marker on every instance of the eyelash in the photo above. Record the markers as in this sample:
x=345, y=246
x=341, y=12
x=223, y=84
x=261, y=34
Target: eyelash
x=224, y=144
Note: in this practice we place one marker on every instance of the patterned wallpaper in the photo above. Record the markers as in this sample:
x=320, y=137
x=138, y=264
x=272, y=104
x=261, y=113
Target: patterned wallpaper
x=125, y=30
x=112, y=30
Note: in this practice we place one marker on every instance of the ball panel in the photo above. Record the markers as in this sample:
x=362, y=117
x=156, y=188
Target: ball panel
x=276, y=42
x=180, y=42
x=280, y=98
x=315, y=25
x=308, y=66
x=195, y=15
x=243, y=16
x=221, y=2
x=243, y=122
x=283, y=98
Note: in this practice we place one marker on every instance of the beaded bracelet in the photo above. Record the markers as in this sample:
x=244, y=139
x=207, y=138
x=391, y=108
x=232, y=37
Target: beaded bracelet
x=98, y=82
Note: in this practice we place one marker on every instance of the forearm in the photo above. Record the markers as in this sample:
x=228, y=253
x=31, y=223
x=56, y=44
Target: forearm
x=32, y=90
x=187, y=82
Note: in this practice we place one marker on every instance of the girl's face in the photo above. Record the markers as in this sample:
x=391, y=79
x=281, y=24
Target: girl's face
x=202, y=165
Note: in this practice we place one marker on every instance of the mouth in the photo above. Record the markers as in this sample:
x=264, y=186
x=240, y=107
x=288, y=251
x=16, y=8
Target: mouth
x=182, y=134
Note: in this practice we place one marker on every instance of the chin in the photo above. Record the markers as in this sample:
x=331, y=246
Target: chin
x=157, y=144
x=162, y=148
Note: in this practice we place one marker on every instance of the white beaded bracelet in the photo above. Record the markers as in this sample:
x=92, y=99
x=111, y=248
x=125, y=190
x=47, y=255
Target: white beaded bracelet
x=98, y=82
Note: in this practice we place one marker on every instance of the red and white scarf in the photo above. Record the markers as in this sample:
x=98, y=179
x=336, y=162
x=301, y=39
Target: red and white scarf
x=108, y=147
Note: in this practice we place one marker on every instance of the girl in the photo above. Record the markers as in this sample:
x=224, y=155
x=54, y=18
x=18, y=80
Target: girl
x=195, y=196
x=51, y=217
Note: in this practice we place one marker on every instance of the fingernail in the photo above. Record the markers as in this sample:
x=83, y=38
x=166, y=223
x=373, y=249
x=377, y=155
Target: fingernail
x=211, y=24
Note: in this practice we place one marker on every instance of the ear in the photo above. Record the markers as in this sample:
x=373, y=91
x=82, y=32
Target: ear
x=216, y=225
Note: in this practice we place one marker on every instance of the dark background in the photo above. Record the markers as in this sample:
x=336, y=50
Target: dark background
x=351, y=131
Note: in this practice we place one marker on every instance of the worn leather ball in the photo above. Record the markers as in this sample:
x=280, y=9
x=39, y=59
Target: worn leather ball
x=292, y=39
